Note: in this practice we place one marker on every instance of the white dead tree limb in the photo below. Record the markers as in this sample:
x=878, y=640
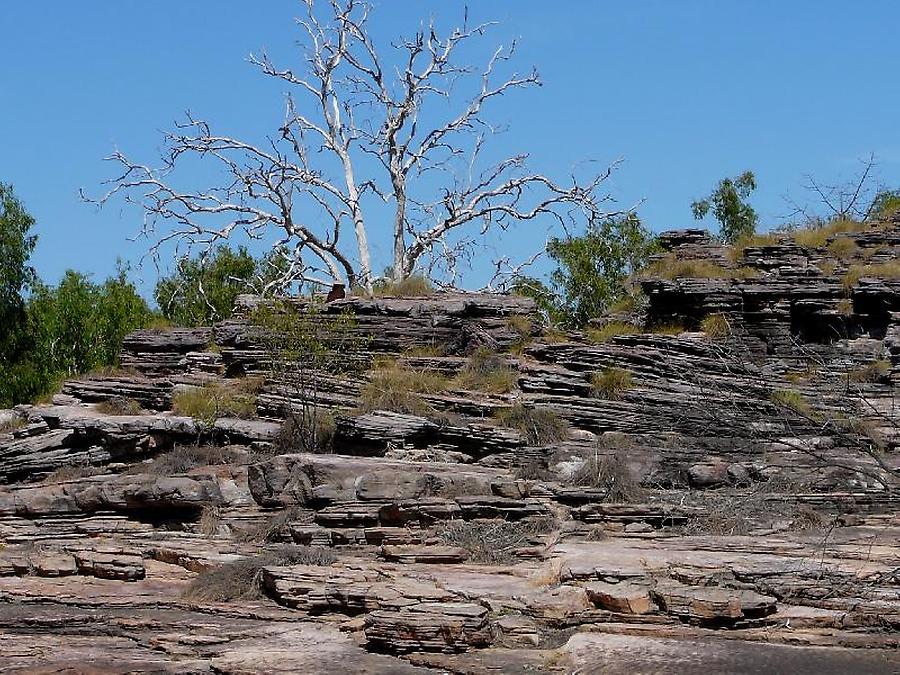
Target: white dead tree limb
x=365, y=133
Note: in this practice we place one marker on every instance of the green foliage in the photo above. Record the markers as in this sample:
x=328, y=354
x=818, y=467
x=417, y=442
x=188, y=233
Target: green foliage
x=737, y=219
x=885, y=203
x=72, y=328
x=203, y=290
x=592, y=270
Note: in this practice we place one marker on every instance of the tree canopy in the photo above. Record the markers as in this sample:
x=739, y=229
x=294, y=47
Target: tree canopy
x=592, y=270
x=737, y=219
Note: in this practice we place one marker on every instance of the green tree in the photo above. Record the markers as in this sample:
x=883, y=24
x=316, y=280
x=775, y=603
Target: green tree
x=885, y=203
x=17, y=276
x=203, y=290
x=737, y=219
x=592, y=270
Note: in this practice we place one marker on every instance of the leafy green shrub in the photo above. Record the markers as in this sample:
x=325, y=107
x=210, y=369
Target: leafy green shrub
x=592, y=270
x=397, y=388
x=241, y=579
x=488, y=372
x=610, y=383
x=716, y=326
x=539, y=426
x=737, y=219
x=609, y=330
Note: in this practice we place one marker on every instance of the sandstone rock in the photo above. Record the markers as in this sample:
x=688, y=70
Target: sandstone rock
x=429, y=626
x=709, y=604
x=623, y=597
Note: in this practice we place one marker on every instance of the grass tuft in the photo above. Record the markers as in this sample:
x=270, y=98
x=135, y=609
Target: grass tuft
x=488, y=372
x=414, y=286
x=875, y=371
x=608, y=331
x=716, y=326
x=399, y=389
x=119, y=406
x=609, y=472
x=611, y=383
x=229, y=398
x=240, y=580
x=539, y=426
x=793, y=400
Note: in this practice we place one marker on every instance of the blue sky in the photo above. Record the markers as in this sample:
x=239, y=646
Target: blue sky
x=685, y=92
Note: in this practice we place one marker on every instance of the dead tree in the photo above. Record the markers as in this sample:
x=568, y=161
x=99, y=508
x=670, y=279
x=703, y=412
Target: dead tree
x=365, y=133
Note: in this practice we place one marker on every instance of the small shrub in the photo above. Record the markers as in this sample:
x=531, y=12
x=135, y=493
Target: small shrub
x=240, y=580
x=609, y=330
x=610, y=383
x=399, y=389
x=539, y=426
x=488, y=372
x=231, y=398
x=183, y=458
x=716, y=326
x=414, y=286
x=807, y=518
x=495, y=542
x=119, y=406
x=310, y=431
x=533, y=469
x=608, y=472
x=875, y=371
x=793, y=400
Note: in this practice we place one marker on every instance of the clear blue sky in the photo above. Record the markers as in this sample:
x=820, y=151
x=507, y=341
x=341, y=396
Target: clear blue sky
x=686, y=92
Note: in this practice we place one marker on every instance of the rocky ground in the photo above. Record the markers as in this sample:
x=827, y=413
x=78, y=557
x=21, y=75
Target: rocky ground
x=704, y=483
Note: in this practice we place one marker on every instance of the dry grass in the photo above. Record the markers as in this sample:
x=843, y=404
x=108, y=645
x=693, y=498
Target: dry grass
x=845, y=307
x=667, y=329
x=609, y=472
x=792, y=400
x=608, y=331
x=240, y=580
x=67, y=473
x=672, y=267
x=736, y=252
x=210, y=520
x=817, y=237
x=610, y=383
x=488, y=372
x=397, y=388
x=229, y=398
x=11, y=425
x=411, y=287
x=886, y=270
x=183, y=458
x=119, y=405
x=274, y=528
x=843, y=248
x=495, y=542
x=716, y=326
x=827, y=267
x=875, y=371
x=538, y=426
x=309, y=431
x=524, y=328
